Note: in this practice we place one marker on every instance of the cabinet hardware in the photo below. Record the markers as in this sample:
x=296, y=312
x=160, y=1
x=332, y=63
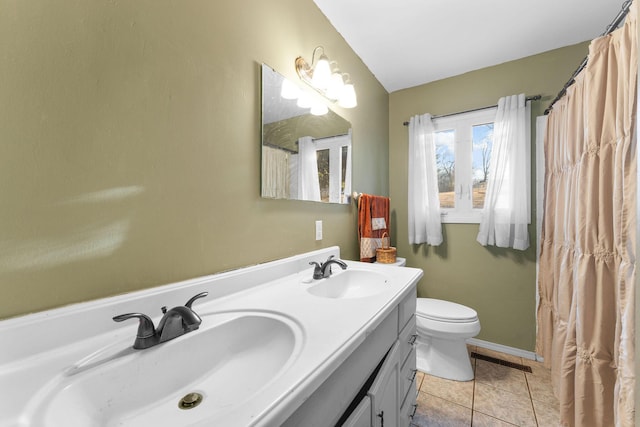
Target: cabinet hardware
x=415, y=408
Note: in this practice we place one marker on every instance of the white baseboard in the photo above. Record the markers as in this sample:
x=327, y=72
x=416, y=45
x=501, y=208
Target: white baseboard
x=505, y=349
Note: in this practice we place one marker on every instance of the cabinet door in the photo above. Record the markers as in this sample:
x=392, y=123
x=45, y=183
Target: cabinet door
x=384, y=394
x=361, y=416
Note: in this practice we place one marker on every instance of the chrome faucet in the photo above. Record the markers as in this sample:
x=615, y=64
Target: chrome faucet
x=323, y=270
x=175, y=322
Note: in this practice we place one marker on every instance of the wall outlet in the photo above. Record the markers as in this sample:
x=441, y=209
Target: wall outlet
x=318, y=230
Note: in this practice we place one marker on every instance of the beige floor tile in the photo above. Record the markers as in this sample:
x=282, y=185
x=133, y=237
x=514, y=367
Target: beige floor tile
x=436, y=412
x=460, y=392
x=419, y=378
x=498, y=355
x=537, y=368
x=482, y=420
x=546, y=415
x=514, y=408
x=541, y=390
x=502, y=377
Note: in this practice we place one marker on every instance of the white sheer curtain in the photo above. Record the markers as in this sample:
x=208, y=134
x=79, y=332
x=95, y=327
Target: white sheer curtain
x=506, y=211
x=308, y=183
x=424, y=205
x=275, y=173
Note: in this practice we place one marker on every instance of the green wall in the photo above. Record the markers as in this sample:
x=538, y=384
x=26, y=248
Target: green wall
x=130, y=144
x=498, y=283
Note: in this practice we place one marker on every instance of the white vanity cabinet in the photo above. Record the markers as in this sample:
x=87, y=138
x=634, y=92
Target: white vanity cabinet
x=361, y=416
x=331, y=359
x=392, y=396
x=407, y=360
x=380, y=372
x=384, y=393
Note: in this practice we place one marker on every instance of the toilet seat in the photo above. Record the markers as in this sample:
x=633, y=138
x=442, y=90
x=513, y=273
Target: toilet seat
x=445, y=311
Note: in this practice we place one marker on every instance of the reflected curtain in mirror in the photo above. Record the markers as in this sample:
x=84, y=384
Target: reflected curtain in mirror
x=275, y=173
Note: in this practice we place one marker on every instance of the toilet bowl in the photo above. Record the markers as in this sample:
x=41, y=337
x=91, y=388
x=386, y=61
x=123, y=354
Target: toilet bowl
x=442, y=328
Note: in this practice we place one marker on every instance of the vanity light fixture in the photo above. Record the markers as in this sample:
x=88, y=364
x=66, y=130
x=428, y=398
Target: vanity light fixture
x=330, y=83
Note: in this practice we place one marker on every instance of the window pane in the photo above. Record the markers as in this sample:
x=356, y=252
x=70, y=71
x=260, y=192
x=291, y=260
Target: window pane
x=323, y=173
x=445, y=162
x=482, y=145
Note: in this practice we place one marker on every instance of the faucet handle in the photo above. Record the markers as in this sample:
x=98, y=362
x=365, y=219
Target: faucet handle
x=195, y=297
x=317, y=270
x=146, y=328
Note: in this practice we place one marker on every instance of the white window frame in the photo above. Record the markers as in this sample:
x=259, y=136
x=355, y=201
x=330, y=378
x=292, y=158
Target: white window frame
x=335, y=144
x=462, y=123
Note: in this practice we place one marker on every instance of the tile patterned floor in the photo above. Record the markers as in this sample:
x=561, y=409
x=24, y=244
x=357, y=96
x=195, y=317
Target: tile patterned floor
x=499, y=396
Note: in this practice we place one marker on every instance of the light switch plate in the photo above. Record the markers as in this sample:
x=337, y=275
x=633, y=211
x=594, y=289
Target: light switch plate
x=318, y=230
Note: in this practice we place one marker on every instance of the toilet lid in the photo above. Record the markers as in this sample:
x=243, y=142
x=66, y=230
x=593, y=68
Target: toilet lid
x=445, y=310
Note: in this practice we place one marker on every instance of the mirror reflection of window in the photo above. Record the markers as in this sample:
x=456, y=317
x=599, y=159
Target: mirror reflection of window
x=323, y=173
x=333, y=157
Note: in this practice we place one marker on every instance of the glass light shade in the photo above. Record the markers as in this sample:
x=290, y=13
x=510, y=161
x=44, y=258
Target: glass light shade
x=304, y=100
x=348, y=97
x=289, y=90
x=319, y=109
x=336, y=86
x=321, y=73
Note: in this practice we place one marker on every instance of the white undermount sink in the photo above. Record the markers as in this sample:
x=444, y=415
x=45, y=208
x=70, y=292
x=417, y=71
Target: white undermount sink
x=350, y=283
x=227, y=361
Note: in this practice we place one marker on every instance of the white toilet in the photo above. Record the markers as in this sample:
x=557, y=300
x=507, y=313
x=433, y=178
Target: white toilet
x=442, y=328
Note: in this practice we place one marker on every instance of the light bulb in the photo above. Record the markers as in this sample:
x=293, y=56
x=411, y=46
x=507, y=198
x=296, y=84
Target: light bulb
x=321, y=73
x=336, y=86
x=348, y=97
x=319, y=109
x=304, y=100
x=289, y=90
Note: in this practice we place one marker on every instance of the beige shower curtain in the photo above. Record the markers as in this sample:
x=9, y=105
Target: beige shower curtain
x=587, y=260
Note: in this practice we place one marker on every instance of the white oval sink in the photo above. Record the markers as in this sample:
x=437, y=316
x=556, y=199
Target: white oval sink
x=227, y=362
x=350, y=284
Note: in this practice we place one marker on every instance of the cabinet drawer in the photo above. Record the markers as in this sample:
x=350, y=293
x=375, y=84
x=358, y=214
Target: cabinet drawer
x=408, y=409
x=407, y=338
x=407, y=308
x=408, y=374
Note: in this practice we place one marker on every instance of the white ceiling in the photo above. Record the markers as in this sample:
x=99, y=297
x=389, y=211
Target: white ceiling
x=407, y=43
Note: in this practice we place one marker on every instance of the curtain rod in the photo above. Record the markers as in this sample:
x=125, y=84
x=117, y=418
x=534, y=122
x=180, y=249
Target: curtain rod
x=528, y=98
x=610, y=28
x=278, y=147
x=328, y=137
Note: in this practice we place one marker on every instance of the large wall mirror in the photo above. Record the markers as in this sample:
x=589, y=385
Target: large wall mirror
x=306, y=147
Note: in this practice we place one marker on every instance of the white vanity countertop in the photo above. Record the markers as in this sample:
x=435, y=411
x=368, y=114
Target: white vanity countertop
x=330, y=330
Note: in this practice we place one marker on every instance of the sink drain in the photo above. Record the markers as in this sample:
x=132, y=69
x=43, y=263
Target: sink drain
x=190, y=401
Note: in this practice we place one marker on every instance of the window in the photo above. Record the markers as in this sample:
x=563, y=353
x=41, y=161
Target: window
x=463, y=152
x=331, y=154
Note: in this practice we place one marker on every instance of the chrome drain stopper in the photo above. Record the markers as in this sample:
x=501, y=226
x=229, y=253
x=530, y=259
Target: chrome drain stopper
x=190, y=401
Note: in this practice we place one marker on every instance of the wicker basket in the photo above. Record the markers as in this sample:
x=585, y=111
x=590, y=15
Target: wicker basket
x=386, y=254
